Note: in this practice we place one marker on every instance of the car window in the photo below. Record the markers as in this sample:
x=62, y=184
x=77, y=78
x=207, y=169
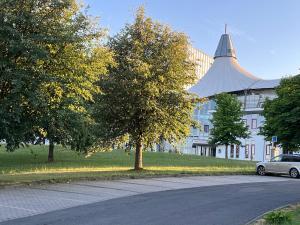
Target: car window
x=287, y=159
x=276, y=159
x=296, y=159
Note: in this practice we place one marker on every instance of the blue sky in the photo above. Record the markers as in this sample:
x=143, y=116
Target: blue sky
x=265, y=33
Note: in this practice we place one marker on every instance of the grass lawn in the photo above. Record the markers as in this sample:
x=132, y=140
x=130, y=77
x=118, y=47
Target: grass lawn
x=28, y=165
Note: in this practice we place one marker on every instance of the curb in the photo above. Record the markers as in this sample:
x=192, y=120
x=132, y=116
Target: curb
x=59, y=181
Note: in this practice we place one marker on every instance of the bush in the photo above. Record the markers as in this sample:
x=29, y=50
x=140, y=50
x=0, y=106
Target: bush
x=278, y=218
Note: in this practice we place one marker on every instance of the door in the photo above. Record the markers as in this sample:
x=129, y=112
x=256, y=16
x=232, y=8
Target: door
x=286, y=164
x=274, y=165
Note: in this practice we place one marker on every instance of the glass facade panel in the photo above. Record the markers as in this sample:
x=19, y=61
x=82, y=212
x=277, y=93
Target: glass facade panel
x=206, y=128
x=231, y=151
x=247, y=151
x=252, y=151
x=237, y=151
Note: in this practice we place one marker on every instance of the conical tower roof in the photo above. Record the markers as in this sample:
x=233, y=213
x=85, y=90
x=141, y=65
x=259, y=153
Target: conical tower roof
x=225, y=74
x=225, y=47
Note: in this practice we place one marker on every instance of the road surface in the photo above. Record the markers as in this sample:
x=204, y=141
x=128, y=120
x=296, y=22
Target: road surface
x=229, y=204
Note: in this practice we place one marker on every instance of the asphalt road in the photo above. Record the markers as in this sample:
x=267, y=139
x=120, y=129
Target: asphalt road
x=215, y=205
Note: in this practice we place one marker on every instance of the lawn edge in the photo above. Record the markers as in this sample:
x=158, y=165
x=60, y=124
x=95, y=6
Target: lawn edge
x=113, y=177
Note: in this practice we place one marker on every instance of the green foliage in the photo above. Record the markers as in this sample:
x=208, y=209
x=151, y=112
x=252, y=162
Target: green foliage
x=227, y=121
x=282, y=114
x=52, y=56
x=145, y=95
x=278, y=218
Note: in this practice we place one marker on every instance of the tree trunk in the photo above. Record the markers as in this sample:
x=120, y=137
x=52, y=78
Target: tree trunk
x=138, y=156
x=51, y=151
x=226, y=152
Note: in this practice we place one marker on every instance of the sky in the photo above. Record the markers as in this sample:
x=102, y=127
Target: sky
x=265, y=33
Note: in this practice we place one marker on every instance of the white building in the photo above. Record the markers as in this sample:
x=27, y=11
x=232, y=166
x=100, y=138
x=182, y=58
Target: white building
x=226, y=75
x=202, y=60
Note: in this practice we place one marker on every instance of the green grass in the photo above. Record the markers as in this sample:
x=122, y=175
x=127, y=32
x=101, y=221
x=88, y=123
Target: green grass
x=27, y=165
x=296, y=215
x=292, y=210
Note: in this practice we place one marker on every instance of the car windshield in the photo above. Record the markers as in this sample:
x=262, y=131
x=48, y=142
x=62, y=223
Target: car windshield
x=276, y=159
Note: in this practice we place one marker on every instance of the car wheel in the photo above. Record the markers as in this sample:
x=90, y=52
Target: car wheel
x=261, y=170
x=294, y=173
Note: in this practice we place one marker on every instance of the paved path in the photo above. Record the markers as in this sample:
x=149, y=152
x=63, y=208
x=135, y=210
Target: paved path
x=29, y=201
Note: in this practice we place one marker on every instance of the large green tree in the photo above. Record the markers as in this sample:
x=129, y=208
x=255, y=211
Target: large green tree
x=51, y=56
x=282, y=114
x=227, y=122
x=145, y=95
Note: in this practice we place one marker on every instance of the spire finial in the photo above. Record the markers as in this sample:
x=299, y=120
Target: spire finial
x=225, y=47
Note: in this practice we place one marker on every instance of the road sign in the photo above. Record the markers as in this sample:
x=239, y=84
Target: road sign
x=274, y=139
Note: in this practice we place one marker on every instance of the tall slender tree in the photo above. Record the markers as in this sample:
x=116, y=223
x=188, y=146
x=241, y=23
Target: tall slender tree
x=51, y=56
x=145, y=95
x=227, y=122
x=282, y=114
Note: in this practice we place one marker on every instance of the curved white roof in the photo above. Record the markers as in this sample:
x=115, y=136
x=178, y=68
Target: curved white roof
x=226, y=75
x=263, y=84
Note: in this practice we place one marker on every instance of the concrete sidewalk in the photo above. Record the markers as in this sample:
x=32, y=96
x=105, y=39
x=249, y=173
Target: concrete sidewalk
x=17, y=202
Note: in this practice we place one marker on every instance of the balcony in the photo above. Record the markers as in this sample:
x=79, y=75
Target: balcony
x=252, y=102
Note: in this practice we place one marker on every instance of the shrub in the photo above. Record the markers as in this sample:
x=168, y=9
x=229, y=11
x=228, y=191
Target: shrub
x=278, y=218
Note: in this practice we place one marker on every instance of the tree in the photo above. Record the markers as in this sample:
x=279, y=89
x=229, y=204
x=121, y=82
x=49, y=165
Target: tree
x=227, y=122
x=52, y=56
x=18, y=76
x=145, y=95
x=282, y=114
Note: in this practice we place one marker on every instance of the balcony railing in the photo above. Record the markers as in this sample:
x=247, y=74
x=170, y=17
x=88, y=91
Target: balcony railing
x=252, y=101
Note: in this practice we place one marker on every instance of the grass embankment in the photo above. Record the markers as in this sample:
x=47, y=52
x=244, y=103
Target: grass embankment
x=30, y=164
x=292, y=212
x=295, y=213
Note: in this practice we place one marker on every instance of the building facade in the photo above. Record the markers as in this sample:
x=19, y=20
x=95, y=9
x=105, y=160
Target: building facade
x=202, y=60
x=226, y=75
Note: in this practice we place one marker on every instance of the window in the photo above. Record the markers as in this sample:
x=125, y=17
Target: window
x=296, y=159
x=194, y=132
x=231, y=151
x=204, y=151
x=268, y=149
x=287, y=159
x=247, y=151
x=237, y=151
x=276, y=159
x=252, y=151
x=206, y=128
x=254, y=123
